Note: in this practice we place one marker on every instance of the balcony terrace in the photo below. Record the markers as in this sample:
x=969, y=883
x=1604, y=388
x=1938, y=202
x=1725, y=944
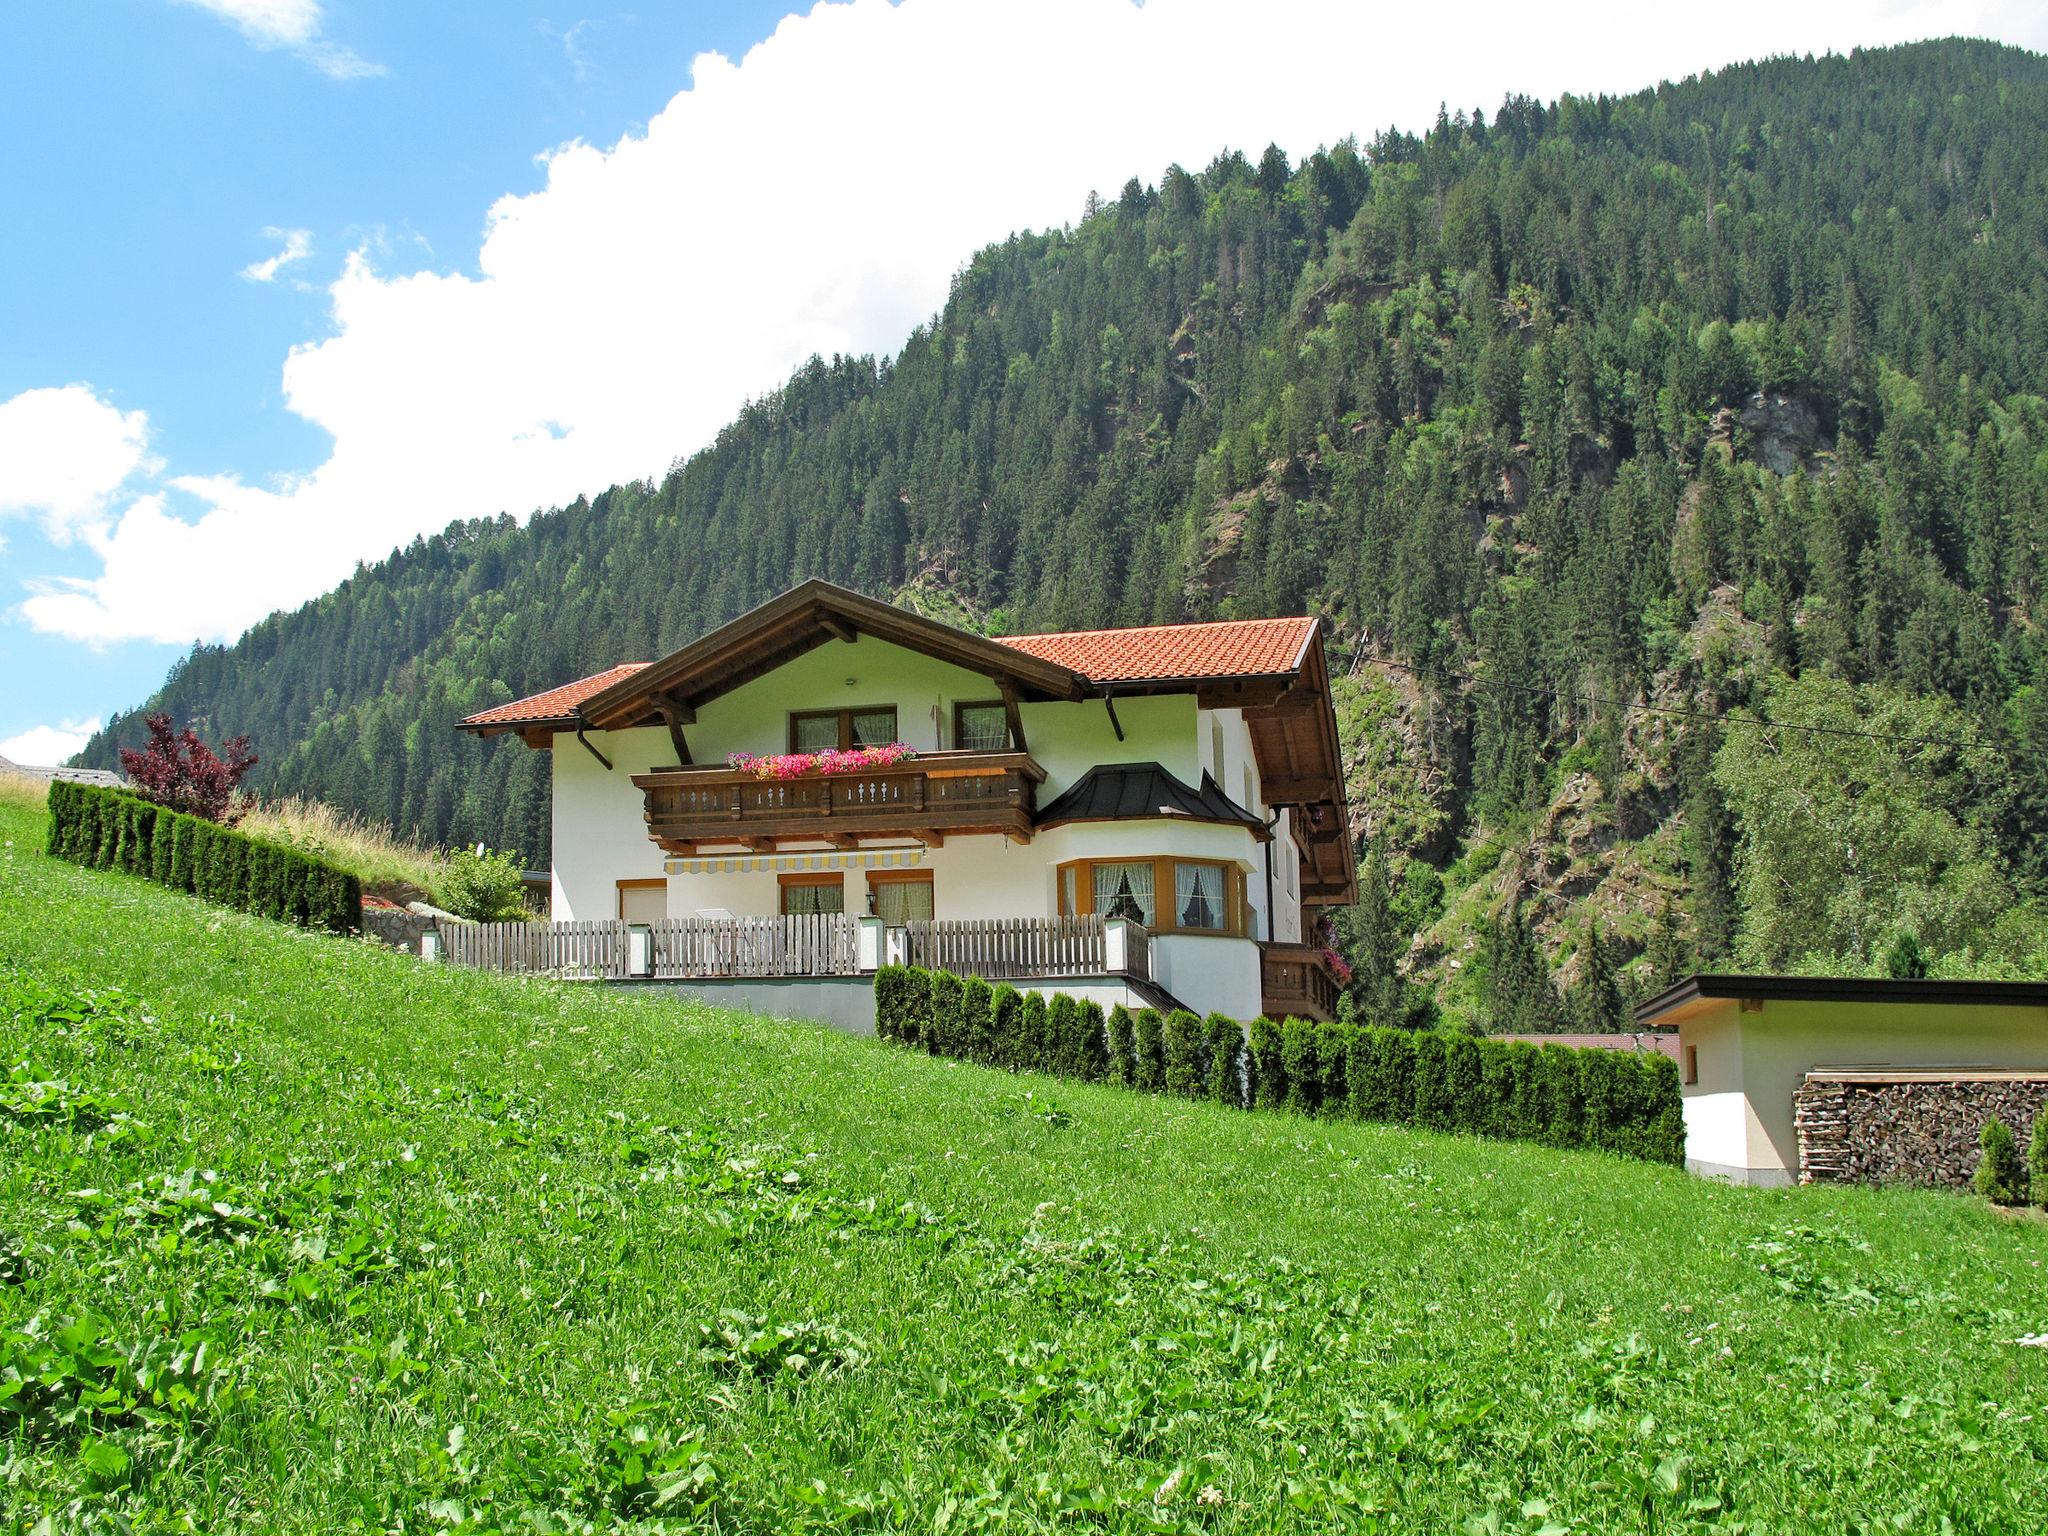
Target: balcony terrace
x=927, y=797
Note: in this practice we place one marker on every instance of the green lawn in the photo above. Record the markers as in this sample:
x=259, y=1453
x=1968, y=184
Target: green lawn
x=472, y=1253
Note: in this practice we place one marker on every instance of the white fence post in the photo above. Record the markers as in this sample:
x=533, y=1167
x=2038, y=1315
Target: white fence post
x=1116, y=944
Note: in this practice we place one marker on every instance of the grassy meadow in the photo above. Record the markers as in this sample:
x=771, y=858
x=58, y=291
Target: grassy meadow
x=299, y=1235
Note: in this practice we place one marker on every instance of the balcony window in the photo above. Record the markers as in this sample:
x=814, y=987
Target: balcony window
x=821, y=730
x=981, y=727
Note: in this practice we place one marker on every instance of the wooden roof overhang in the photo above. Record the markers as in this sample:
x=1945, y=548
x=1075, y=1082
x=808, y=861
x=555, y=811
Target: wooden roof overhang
x=535, y=733
x=802, y=619
x=1293, y=726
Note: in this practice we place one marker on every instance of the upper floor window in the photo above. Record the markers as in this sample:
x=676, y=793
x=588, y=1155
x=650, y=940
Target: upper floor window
x=821, y=730
x=981, y=727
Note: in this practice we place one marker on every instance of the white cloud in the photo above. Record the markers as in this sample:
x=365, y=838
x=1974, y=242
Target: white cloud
x=818, y=196
x=63, y=455
x=296, y=27
x=49, y=746
x=298, y=245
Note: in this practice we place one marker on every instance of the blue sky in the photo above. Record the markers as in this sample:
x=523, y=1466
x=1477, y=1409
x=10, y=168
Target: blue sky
x=531, y=251
x=153, y=146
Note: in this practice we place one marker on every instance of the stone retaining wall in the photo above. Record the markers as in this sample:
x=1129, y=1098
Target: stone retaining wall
x=401, y=930
x=1907, y=1127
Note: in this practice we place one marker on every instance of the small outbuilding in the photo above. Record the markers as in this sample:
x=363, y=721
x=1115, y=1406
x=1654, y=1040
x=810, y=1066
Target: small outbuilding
x=1798, y=1079
x=101, y=776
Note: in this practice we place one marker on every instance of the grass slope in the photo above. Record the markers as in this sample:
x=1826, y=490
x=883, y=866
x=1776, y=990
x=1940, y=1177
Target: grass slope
x=475, y=1253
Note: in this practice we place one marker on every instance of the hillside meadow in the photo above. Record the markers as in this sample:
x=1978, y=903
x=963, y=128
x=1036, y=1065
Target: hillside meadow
x=297, y=1235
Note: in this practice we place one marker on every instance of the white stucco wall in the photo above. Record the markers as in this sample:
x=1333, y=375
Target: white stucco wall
x=600, y=824
x=1210, y=975
x=1738, y=1116
x=1224, y=743
x=1717, y=1113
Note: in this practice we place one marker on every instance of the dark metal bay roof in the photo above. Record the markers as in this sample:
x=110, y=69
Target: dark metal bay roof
x=1145, y=792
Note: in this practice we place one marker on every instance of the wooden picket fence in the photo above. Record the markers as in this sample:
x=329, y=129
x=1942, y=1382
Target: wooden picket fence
x=815, y=944
x=1016, y=947
x=587, y=951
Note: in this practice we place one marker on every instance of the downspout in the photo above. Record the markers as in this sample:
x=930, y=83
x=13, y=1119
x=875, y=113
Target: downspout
x=585, y=740
x=1272, y=821
x=1109, y=703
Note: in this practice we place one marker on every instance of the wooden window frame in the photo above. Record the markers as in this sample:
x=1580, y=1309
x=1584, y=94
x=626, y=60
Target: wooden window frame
x=657, y=883
x=902, y=877
x=784, y=883
x=845, y=718
x=961, y=706
x=1237, y=912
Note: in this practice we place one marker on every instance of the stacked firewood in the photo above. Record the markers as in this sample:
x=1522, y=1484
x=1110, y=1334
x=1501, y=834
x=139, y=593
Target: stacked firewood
x=1855, y=1130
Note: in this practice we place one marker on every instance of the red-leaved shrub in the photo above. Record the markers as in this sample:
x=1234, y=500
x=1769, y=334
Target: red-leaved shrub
x=181, y=771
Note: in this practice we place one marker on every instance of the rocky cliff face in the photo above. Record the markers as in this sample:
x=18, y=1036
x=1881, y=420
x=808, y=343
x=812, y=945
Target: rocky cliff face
x=1785, y=433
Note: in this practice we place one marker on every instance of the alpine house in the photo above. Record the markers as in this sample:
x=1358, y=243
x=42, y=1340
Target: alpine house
x=828, y=783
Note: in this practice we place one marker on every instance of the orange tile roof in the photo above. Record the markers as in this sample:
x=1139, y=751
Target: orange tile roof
x=1227, y=648
x=1161, y=652
x=556, y=703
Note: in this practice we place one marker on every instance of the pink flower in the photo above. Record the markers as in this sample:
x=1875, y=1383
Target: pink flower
x=794, y=765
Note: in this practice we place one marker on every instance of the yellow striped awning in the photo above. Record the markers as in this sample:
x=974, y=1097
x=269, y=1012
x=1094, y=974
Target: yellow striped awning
x=794, y=863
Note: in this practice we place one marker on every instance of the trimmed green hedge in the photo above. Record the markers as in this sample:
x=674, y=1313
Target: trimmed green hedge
x=111, y=829
x=1618, y=1101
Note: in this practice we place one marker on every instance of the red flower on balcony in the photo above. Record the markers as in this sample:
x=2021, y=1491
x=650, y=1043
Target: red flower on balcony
x=795, y=765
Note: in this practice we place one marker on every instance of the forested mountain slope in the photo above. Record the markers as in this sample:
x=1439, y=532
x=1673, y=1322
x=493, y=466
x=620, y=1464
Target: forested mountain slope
x=1583, y=423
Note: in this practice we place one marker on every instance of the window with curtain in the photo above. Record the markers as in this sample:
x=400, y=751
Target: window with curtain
x=1125, y=890
x=981, y=727
x=814, y=733
x=808, y=900
x=903, y=901
x=821, y=730
x=874, y=727
x=1198, y=896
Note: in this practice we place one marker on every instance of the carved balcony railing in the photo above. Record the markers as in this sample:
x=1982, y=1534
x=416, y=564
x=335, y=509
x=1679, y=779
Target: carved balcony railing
x=924, y=797
x=1296, y=980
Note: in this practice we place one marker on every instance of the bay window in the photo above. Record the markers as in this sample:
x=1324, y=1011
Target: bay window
x=1167, y=895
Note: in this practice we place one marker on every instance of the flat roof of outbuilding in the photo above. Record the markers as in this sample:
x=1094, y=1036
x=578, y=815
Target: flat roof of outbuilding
x=1712, y=986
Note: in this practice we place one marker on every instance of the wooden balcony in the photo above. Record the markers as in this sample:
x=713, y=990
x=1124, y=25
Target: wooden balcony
x=1295, y=981
x=926, y=797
